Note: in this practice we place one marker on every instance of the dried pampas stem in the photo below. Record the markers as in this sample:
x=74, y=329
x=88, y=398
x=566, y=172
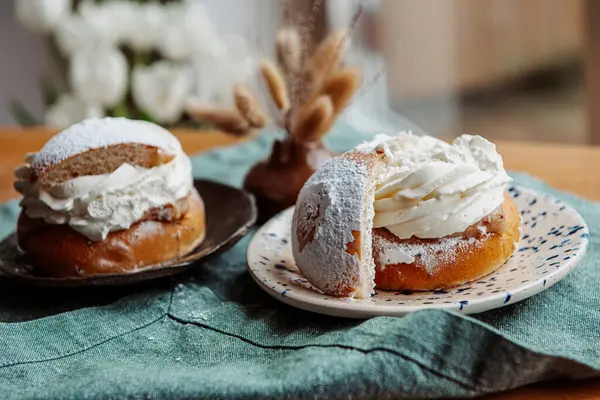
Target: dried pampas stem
x=340, y=86
x=289, y=50
x=249, y=107
x=228, y=119
x=286, y=11
x=355, y=18
x=314, y=120
x=326, y=56
x=317, y=5
x=276, y=84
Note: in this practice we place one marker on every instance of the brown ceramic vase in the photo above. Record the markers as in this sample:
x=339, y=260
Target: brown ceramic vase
x=277, y=181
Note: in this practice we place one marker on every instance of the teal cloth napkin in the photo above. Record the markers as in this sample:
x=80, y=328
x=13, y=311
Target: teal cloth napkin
x=215, y=334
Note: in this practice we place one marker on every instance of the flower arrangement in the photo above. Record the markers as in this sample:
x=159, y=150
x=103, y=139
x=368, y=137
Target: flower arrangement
x=133, y=59
x=305, y=91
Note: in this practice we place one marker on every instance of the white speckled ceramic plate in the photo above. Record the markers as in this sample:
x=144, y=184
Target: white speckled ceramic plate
x=553, y=241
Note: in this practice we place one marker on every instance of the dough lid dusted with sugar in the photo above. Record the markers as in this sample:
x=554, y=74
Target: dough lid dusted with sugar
x=337, y=248
x=102, y=132
x=333, y=211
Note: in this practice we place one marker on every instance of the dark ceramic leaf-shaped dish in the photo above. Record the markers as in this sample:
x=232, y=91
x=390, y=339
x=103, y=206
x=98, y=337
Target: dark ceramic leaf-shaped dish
x=230, y=213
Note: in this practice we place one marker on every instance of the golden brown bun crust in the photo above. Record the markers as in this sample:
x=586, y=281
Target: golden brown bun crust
x=59, y=251
x=470, y=262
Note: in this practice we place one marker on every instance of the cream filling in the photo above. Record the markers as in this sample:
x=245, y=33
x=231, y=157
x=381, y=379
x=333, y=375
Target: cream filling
x=433, y=189
x=98, y=204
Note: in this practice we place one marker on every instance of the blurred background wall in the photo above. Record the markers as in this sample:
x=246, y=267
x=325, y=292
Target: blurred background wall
x=509, y=69
x=464, y=45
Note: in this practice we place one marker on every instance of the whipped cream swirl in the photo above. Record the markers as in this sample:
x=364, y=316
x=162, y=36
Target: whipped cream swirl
x=95, y=205
x=434, y=189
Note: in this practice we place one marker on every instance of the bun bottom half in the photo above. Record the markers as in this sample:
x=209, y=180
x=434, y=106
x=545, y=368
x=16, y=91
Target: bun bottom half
x=469, y=259
x=59, y=251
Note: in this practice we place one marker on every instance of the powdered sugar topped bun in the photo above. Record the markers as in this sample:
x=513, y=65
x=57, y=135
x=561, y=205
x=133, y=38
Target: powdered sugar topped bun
x=331, y=227
x=405, y=212
x=101, y=132
x=103, y=175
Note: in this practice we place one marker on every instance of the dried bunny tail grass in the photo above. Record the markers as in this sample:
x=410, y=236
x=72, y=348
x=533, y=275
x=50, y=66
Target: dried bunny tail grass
x=271, y=110
x=276, y=84
x=249, y=107
x=326, y=56
x=229, y=120
x=289, y=57
x=340, y=86
x=288, y=45
x=312, y=20
x=314, y=120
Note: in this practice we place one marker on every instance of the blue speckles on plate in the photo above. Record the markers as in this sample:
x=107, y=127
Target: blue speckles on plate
x=553, y=240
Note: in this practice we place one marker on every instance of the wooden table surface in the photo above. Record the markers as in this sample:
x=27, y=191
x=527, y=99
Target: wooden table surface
x=574, y=169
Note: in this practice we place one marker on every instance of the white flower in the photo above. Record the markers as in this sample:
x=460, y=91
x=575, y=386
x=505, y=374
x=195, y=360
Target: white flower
x=188, y=32
x=161, y=90
x=41, y=15
x=103, y=18
x=70, y=109
x=218, y=73
x=74, y=33
x=94, y=25
x=99, y=75
x=77, y=33
x=141, y=25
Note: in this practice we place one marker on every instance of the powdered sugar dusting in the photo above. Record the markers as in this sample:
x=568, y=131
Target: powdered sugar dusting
x=389, y=255
x=377, y=143
x=101, y=132
x=332, y=205
x=303, y=283
x=431, y=254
